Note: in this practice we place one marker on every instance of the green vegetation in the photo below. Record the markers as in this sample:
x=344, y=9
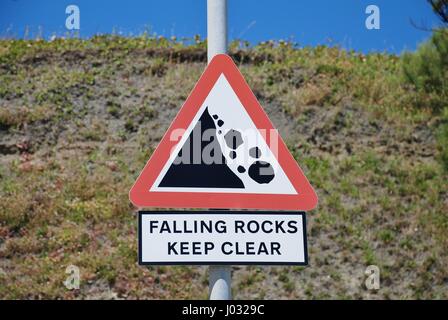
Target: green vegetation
x=427, y=70
x=79, y=119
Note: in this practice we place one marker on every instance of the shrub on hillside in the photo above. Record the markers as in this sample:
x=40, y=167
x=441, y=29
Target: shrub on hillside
x=427, y=70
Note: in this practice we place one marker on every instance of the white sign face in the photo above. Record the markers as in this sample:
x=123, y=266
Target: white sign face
x=218, y=237
x=223, y=101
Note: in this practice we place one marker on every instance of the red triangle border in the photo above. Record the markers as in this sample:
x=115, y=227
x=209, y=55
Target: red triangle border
x=140, y=196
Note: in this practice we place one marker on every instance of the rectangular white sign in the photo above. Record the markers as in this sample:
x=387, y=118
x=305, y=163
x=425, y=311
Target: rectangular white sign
x=222, y=237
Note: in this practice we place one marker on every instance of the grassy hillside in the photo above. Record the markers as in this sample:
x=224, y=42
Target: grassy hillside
x=80, y=118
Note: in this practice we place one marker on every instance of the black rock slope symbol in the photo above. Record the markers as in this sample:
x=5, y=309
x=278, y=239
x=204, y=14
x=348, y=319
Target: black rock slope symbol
x=201, y=175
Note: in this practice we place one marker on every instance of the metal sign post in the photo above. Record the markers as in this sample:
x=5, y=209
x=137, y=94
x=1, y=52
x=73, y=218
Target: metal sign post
x=219, y=276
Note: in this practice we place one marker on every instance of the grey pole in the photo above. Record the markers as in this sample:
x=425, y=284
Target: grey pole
x=219, y=276
x=216, y=27
x=220, y=283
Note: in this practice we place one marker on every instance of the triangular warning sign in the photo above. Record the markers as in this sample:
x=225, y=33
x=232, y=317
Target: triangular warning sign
x=222, y=151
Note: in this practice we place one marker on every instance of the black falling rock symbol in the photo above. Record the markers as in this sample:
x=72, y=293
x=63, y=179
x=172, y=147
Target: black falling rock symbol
x=201, y=175
x=233, y=139
x=261, y=172
x=255, y=152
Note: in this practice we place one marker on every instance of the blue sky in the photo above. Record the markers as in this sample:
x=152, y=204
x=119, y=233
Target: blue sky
x=308, y=22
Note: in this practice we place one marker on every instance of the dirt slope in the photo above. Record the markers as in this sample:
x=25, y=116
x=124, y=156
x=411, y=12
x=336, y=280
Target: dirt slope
x=78, y=120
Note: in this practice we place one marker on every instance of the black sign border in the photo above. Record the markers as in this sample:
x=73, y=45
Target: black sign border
x=210, y=263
